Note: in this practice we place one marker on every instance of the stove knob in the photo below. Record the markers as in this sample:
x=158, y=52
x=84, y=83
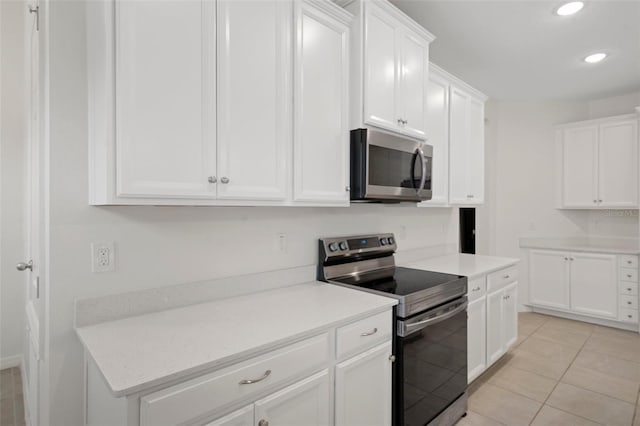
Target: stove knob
x=333, y=247
x=390, y=240
x=343, y=245
x=383, y=241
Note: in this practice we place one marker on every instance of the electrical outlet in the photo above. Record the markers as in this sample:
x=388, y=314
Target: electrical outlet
x=102, y=257
x=282, y=242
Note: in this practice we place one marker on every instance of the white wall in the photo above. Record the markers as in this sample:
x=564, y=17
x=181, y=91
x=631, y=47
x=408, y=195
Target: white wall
x=12, y=177
x=159, y=246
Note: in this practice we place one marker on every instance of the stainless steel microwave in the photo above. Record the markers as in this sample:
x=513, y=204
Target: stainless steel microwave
x=389, y=168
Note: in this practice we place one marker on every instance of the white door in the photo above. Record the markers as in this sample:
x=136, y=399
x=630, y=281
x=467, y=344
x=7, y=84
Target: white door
x=363, y=389
x=593, y=284
x=475, y=152
x=459, y=148
x=165, y=114
x=304, y=403
x=476, y=338
x=33, y=265
x=414, y=67
x=241, y=417
x=510, y=315
x=381, y=77
x=618, y=164
x=321, y=132
x=437, y=133
x=495, y=341
x=549, y=278
x=254, y=99
x=579, y=166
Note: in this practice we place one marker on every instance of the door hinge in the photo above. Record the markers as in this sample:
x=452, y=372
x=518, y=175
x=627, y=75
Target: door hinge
x=36, y=10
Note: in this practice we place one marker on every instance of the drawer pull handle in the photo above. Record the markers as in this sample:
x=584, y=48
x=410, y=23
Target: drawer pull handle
x=263, y=422
x=250, y=381
x=506, y=277
x=476, y=289
x=629, y=316
x=629, y=262
x=392, y=358
x=375, y=330
x=628, y=275
x=628, y=302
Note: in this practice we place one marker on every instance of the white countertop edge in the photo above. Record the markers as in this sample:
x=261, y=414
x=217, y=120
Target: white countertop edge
x=218, y=363
x=451, y=264
x=575, y=244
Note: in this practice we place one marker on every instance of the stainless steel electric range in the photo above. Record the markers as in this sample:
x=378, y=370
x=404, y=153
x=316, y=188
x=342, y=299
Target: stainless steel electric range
x=430, y=345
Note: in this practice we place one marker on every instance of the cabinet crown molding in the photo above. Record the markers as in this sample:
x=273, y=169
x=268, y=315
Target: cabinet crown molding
x=457, y=82
x=599, y=120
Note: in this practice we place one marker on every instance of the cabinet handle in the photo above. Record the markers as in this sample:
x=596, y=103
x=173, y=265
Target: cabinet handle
x=629, y=262
x=224, y=179
x=374, y=331
x=476, y=289
x=599, y=201
x=392, y=358
x=212, y=179
x=404, y=122
x=628, y=288
x=347, y=188
x=250, y=381
x=629, y=316
x=505, y=297
x=506, y=277
x=628, y=275
x=470, y=196
x=400, y=121
x=263, y=422
x=628, y=302
x=566, y=258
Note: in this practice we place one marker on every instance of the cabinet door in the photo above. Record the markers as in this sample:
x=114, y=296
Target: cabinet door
x=321, y=133
x=254, y=99
x=475, y=151
x=618, y=164
x=495, y=341
x=458, y=146
x=579, y=166
x=549, y=278
x=381, y=77
x=438, y=137
x=363, y=389
x=477, y=338
x=593, y=284
x=304, y=403
x=414, y=67
x=241, y=417
x=510, y=315
x=165, y=118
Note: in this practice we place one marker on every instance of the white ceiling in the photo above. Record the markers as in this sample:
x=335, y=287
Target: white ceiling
x=522, y=50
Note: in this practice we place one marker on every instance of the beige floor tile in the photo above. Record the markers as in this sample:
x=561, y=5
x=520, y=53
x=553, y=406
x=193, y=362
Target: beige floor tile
x=475, y=419
x=615, y=332
x=591, y=405
x=550, y=349
x=524, y=383
x=614, y=345
x=7, y=414
x=636, y=421
x=504, y=406
x=544, y=366
x=6, y=383
x=609, y=364
x=549, y=416
x=560, y=334
x=577, y=326
x=594, y=380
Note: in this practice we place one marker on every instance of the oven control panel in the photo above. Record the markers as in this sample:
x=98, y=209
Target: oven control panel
x=359, y=244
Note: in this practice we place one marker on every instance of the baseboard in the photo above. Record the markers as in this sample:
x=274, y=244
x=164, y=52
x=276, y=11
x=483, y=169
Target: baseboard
x=11, y=361
x=584, y=318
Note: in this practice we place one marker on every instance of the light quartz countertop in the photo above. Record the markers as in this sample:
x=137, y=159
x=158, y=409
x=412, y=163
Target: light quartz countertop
x=139, y=352
x=469, y=265
x=585, y=244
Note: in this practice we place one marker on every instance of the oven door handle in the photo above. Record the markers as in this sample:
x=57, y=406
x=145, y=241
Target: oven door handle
x=406, y=329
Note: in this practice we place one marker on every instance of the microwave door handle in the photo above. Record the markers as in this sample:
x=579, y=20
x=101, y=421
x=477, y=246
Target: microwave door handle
x=423, y=164
x=410, y=328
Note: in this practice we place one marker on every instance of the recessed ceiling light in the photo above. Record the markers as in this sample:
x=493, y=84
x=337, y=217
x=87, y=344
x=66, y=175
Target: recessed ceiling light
x=596, y=57
x=570, y=8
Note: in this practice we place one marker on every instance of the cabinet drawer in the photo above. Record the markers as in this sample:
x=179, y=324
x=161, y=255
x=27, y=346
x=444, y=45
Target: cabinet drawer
x=500, y=278
x=364, y=334
x=628, y=274
x=629, y=302
x=180, y=403
x=628, y=261
x=477, y=288
x=628, y=315
x=628, y=288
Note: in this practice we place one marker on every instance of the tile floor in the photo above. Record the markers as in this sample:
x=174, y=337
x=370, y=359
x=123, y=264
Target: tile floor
x=560, y=373
x=11, y=400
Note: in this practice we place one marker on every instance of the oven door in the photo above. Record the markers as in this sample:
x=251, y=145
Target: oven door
x=431, y=353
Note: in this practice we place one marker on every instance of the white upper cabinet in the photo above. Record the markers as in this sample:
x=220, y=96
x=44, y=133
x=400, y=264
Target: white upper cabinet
x=598, y=163
x=165, y=139
x=192, y=102
x=390, y=69
x=466, y=146
x=321, y=128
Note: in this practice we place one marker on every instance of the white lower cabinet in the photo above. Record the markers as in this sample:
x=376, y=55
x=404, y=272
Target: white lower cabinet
x=580, y=283
x=347, y=367
x=492, y=325
x=363, y=389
